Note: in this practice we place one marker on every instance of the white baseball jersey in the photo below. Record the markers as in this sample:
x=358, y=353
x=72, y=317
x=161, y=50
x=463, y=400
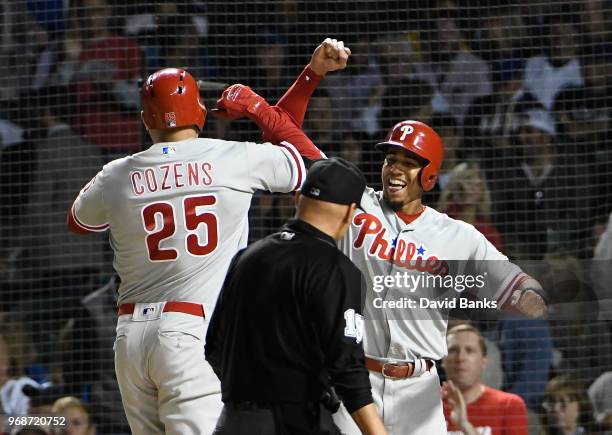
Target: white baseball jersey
x=382, y=245
x=178, y=212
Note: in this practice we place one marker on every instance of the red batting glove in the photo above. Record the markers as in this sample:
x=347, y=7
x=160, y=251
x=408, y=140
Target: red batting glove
x=238, y=101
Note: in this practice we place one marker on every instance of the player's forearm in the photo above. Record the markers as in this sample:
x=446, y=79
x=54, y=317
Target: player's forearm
x=528, y=298
x=368, y=420
x=295, y=100
x=278, y=126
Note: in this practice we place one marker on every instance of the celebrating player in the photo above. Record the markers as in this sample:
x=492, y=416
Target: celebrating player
x=394, y=235
x=177, y=214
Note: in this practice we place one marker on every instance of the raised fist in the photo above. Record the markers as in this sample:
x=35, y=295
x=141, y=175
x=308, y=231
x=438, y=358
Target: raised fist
x=331, y=55
x=238, y=101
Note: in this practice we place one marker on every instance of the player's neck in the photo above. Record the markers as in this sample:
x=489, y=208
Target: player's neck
x=174, y=135
x=473, y=393
x=413, y=207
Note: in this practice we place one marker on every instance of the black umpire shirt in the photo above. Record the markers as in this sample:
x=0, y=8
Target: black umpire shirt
x=288, y=310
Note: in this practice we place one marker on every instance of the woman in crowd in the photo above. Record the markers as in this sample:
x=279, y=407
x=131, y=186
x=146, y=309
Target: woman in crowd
x=567, y=409
x=465, y=196
x=77, y=416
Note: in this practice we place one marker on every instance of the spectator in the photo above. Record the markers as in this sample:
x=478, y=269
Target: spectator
x=25, y=47
x=31, y=430
x=355, y=92
x=470, y=407
x=583, y=119
x=533, y=192
x=15, y=355
x=109, y=67
x=559, y=66
x=270, y=64
x=596, y=59
x=457, y=75
x=452, y=136
x=595, y=18
x=407, y=99
x=567, y=408
x=88, y=359
x=582, y=342
x=493, y=120
x=42, y=397
x=70, y=47
x=601, y=272
x=181, y=44
x=49, y=248
x=503, y=36
x=77, y=416
x=465, y=196
x=527, y=351
x=319, y=122
x=396, y=61
x=16, y=168
x=600, y=393
x=582, y=122
x=397, y=58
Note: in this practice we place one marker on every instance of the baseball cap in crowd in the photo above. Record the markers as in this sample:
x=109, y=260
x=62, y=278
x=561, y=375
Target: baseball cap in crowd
x=540, y=119
x=334, y=180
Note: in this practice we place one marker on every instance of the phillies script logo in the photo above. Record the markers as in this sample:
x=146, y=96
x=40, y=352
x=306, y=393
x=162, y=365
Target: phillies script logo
x=400, y=252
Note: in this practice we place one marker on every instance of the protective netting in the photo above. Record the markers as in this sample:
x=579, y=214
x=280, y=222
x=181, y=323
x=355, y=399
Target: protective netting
x=519, y=91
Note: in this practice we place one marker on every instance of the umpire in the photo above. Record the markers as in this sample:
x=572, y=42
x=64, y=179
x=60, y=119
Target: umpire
x=288, y=320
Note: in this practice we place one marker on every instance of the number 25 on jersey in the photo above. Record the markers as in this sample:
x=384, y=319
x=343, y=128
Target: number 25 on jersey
x=189, y=218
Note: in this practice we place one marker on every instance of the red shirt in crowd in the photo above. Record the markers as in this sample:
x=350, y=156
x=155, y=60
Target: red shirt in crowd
x=100, y=120
x=494, y=413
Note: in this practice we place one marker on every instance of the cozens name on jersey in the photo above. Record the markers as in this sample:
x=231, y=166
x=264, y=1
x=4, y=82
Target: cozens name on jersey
x=446, y=303
x=171, y=176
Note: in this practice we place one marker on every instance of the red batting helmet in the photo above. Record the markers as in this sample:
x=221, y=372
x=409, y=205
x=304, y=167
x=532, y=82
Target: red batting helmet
x=171, y=98
x=419, y=139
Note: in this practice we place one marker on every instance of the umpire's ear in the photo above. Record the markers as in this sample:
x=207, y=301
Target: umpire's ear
x=350, y=212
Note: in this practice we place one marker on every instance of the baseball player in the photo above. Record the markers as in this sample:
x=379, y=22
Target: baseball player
x=394, y=235
x=177, y=214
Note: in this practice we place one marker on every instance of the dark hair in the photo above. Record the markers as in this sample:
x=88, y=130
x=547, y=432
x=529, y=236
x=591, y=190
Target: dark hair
x=576, y=391
x=31, y=430
x=402, y=99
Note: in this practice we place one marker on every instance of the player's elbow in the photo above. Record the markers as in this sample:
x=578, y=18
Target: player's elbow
x=72, y=226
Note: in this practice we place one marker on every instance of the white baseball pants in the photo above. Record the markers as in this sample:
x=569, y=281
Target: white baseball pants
x=167, y=387
x=411, y=406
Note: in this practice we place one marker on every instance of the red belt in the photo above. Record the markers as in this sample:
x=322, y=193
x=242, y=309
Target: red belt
x=394, y=370
x=170, y=306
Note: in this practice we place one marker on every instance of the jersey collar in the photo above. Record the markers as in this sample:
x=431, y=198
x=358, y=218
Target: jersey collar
x=409, y=218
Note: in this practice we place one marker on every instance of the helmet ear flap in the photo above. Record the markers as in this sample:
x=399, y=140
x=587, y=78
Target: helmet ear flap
x=428, y=178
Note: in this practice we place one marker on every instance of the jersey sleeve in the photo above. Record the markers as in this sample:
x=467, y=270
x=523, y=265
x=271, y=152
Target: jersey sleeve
x=499, y=275
x=516, y=416
x=295, y=100
x=276, y=168
x=336, y=307
x=88, y=212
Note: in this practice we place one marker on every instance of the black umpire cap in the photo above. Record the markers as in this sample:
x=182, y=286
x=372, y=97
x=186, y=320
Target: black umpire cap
x=334, y=180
